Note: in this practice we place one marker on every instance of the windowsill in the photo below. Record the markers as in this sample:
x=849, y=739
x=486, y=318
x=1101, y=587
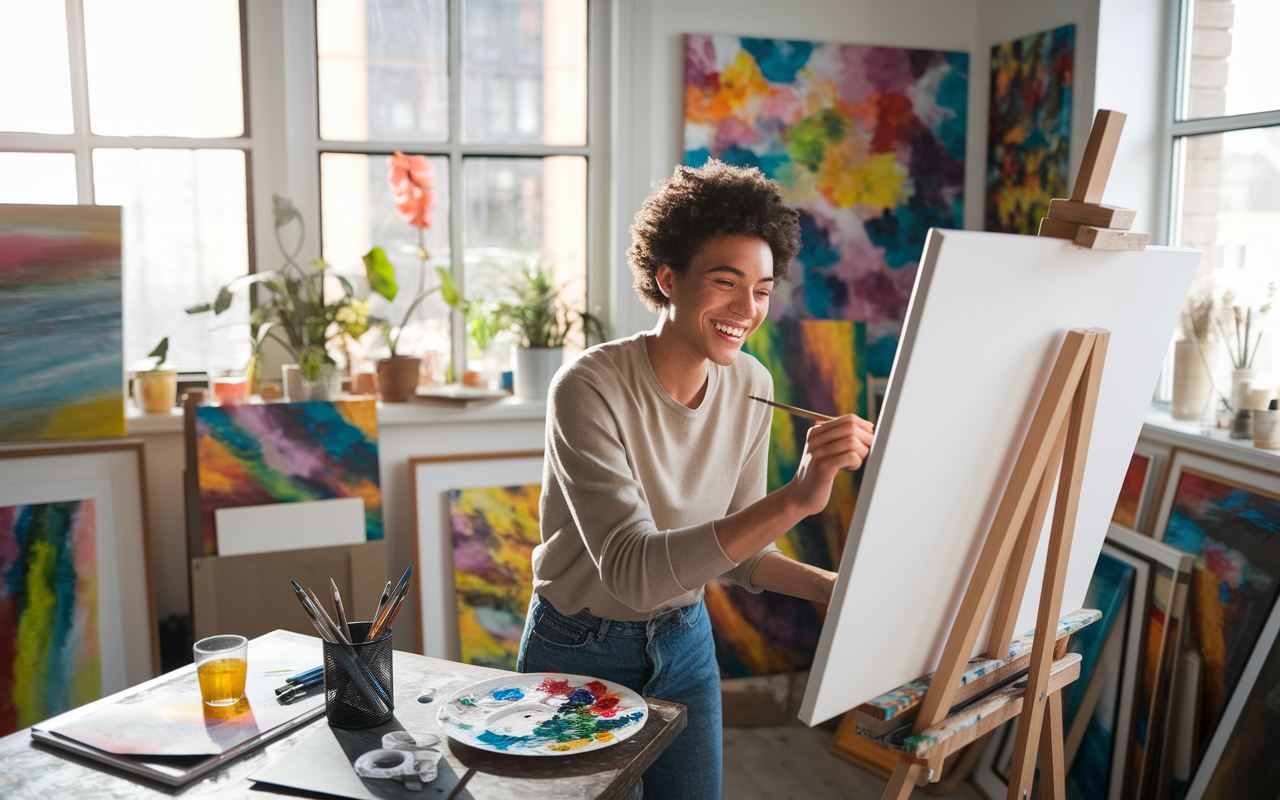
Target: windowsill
x=1160, y=426
x=389, y=415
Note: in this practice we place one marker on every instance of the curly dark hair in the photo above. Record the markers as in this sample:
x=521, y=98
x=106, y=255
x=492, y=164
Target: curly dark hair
x=699, y=204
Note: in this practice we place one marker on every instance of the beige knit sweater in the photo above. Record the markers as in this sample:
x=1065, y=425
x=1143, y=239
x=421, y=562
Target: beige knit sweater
x=633, y=481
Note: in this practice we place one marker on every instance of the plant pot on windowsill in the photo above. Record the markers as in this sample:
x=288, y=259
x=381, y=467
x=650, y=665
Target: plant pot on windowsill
x=534, y=369
x=155, y=391
x=398, y=378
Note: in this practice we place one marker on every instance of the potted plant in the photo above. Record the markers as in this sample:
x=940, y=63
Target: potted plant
x=295, y=312
x=543, y=322
x=398, y=373
x=156, y=390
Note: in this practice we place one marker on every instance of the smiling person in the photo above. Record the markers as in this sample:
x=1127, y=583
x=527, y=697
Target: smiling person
x=656, y=462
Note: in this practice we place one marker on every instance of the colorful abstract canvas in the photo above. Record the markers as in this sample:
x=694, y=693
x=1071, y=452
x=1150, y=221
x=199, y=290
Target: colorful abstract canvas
x=1231, y=530
x=1028, y=128
x=818, y=365
x=249, y=455
x=1135, y=478
x=1247, y=765
x=494, y=533
x=49, y=641
x=867, y=143
x=1108, y=592
x=61, y=331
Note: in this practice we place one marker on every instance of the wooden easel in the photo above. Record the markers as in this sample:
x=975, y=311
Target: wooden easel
x=1059, y=436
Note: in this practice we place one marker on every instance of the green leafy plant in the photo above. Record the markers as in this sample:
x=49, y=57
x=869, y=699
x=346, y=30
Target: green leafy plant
x=382, y=279
x=293, y=310
x=538, y=314
x=160, y=353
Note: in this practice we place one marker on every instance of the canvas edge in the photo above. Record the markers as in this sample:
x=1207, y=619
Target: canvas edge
x=1135, y=635
x=814, y=693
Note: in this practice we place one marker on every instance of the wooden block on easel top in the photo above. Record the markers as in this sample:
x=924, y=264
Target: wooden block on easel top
x=1099, y=216
x=1058, y=229
x=1107, y=239
x=1095, y=167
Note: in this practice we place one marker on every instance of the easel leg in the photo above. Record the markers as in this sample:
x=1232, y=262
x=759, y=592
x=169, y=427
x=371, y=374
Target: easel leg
x=902, y=781
x=1080, y=425
x=1053, y=778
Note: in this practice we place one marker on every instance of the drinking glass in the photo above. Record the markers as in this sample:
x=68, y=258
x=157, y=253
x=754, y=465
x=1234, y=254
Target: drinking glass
x=221, y=665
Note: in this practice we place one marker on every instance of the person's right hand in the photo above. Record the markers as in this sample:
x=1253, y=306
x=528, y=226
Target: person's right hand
x=829, y=447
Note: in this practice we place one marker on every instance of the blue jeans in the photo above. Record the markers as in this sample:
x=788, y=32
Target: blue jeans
x=671, y=657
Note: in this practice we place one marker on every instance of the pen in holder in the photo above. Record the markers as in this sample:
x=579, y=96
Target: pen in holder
x=357, y=680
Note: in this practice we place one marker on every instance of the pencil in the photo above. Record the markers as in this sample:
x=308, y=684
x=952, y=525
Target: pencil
x=799, y=412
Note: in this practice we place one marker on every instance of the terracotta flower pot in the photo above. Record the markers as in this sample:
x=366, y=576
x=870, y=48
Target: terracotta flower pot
x=397, y=378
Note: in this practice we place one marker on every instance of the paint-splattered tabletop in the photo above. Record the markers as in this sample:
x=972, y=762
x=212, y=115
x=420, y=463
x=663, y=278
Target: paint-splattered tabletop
x=35, y=771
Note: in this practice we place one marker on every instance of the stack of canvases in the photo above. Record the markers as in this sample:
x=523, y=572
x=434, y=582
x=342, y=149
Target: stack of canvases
x=1179, y=694
x=76, y=612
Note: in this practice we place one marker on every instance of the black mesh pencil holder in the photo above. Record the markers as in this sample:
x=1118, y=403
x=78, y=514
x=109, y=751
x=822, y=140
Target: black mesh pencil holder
x=357, y=680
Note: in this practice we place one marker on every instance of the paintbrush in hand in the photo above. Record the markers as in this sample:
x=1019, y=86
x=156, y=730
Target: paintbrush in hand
x=799, y=412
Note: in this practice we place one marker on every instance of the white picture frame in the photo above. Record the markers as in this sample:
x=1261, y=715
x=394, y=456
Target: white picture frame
x=111, y=474
x=430, y=477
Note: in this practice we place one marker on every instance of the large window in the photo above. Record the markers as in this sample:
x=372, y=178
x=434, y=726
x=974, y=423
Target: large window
x=120, y=102
x=1226, y=167
x=494, y=94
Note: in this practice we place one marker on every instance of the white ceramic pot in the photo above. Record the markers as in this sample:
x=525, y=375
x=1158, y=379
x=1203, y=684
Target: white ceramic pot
x=535, y=367
x=1192, y=385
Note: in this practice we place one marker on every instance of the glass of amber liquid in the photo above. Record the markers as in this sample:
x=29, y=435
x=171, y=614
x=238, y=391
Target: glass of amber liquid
x=221, y=665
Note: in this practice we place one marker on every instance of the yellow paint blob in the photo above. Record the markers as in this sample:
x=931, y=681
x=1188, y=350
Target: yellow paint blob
x=574, y=745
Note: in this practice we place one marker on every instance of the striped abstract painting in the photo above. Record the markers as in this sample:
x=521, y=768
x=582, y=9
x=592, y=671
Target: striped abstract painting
x=49, y=647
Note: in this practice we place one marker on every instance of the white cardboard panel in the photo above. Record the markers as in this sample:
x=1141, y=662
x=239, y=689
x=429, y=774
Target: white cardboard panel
x=985, y=324
x=290, y=526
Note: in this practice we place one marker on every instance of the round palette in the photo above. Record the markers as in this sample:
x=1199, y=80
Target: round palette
x=543, y=714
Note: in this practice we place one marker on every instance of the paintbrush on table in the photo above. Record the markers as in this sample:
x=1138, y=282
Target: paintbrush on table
x=339, y=610
x=799, y=412
x=380, y=622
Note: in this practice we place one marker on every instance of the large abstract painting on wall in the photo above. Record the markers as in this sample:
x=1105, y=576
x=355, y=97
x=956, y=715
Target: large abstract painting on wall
x=250, y=455
x=50, y=659
x=61, y=324
x=494, y=531
x=866, y=142
x=1028, y=128
x=819, y=365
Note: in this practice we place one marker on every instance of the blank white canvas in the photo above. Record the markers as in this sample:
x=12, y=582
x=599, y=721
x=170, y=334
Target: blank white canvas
x=290, y=526
x=984, y=326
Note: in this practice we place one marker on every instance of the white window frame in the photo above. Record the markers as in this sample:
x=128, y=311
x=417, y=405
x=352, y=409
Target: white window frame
x=282, y=143
x=303, y=103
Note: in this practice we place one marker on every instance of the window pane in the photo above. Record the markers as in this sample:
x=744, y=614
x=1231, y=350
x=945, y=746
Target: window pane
x=159, y=68
x=185, y=235
x=526, y=208
x=38, y=178
x=524, y=66
x=35, y=76
x=1230, y=205
x=383, y=70
x=357, y=213
x=1234, y=59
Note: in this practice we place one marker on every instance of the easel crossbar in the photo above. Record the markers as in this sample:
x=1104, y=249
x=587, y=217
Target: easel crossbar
x=892, y=710
x=975, y=719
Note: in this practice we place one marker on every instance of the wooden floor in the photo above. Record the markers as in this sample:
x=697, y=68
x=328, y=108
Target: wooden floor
x=793, y=763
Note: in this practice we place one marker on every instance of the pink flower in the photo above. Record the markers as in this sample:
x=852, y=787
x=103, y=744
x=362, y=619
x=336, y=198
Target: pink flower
x=412, y=180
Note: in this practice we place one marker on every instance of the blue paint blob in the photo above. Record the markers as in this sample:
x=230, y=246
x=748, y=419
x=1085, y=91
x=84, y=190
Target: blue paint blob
x=698, y=157
x=508, y=694
x=581, y=697
x=779, y=59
